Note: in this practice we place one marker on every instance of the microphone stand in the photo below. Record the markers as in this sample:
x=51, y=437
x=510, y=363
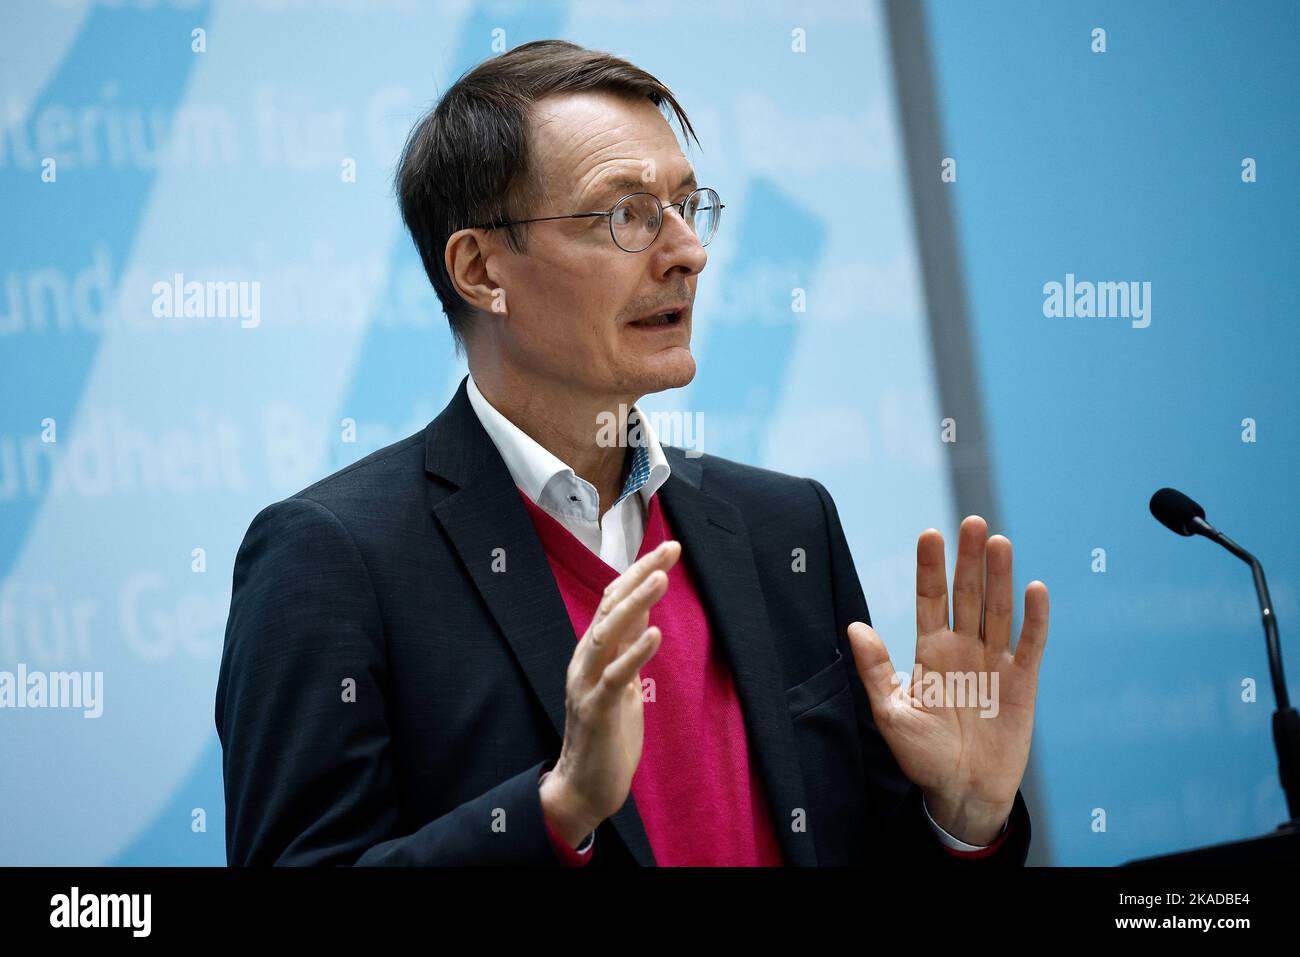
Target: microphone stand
x=1286, y=720
x=1180, y=514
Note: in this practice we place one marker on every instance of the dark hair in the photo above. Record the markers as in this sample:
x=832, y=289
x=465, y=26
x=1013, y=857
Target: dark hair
x=467, y=160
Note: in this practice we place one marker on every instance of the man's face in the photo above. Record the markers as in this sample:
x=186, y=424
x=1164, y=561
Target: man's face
x=573, y=296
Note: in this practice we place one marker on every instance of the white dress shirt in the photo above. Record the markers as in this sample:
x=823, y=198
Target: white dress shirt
x=575, y=504
x=568, y=497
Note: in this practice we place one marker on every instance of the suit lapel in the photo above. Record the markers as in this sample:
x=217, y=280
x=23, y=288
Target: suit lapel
x=485, y=513
x=716, y=547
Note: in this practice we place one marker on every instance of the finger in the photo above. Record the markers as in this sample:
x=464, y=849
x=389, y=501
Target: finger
x=931, y=584
x=997, y=596
x=626, y=666
x=968, y=579
x=663, y=557
x=610, y=635
x=1033, y=630
x=631, y=615
x=872, y=660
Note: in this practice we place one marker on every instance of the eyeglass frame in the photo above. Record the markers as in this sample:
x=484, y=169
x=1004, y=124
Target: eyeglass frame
x=681, y=211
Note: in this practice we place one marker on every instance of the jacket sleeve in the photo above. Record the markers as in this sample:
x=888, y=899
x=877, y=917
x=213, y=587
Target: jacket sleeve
x=902, y=828
x=302, y=717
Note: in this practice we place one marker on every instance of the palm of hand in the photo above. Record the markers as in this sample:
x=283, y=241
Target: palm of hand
x=962, y=722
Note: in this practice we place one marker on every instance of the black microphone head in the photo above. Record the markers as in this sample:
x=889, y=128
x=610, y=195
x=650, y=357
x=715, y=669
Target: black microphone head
x=1175, y=511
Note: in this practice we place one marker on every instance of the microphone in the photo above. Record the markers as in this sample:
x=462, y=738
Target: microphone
x=1176, y=511
x=1180, y=514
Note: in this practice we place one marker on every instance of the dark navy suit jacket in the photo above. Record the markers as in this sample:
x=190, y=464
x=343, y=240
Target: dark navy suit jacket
x=386, y=697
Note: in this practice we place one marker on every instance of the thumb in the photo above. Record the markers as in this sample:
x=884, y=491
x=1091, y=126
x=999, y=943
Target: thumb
x=872, y=660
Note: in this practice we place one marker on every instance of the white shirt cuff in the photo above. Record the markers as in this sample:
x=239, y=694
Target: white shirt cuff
x=949, y=840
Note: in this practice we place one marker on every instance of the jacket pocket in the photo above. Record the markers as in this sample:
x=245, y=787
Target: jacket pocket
x=818, y=689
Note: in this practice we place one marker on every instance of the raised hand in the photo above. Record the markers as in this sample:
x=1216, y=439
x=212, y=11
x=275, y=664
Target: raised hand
x=960, y=725
x=604, y=723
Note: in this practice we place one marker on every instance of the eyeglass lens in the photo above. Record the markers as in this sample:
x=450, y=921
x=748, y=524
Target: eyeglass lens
x=636, y=219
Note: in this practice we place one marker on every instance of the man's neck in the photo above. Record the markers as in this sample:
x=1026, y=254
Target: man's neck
x=566, y=423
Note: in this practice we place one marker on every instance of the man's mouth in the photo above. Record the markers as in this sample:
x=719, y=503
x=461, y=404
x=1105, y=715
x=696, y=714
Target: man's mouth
x=669, y=317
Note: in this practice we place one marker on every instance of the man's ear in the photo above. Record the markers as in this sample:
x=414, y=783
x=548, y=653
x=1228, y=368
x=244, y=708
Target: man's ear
x=466, y=258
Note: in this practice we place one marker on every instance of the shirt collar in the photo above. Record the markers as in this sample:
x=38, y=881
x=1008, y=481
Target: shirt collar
x=534, y=468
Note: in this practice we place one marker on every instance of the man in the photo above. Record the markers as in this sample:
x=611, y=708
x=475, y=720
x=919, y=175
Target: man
x=529, y=633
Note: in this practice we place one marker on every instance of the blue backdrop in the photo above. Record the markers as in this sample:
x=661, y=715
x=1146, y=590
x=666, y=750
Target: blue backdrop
x=253, y=142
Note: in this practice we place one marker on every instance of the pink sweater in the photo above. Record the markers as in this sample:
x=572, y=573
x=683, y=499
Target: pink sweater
x=696, y=788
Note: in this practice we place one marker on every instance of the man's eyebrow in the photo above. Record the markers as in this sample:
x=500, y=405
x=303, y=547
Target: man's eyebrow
x=616, y=188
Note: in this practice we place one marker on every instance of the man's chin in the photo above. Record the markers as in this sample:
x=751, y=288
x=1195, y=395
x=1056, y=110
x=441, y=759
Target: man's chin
x=669, y=369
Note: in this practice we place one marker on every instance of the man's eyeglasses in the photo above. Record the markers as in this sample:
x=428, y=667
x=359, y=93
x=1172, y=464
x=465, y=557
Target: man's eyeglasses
x=636, y=219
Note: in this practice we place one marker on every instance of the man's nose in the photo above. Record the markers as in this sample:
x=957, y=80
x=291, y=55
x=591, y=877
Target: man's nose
x=678, y=247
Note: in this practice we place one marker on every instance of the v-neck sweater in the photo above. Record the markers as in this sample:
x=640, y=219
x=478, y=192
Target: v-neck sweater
x=696, y=789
